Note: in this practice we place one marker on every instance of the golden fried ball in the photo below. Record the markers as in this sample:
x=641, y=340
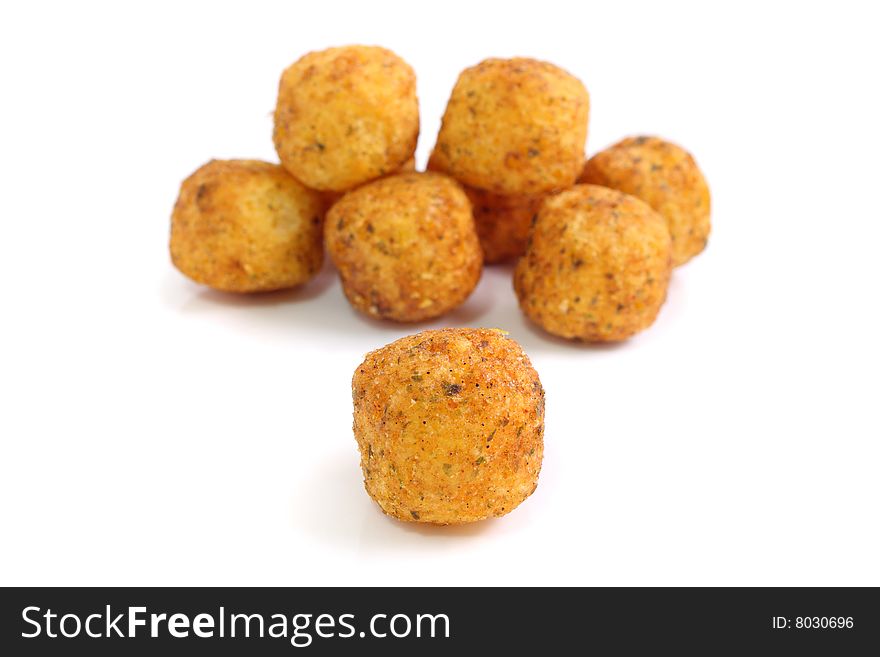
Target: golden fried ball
x=597, y=265
x=450, y=425
x=667, y=178
x=514, y=127
x=346, y=116
x=405, y=246
x=503, y=222
x=246, y=226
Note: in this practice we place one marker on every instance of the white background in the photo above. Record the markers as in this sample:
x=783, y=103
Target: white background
x=154, y=432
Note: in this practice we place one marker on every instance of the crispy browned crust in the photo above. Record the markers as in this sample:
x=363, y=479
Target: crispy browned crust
x=450, y=425
x=246, y=226
x=405, y=246
x=346, y=116
x=597, y=266
x=667, y=178
x=514, y=127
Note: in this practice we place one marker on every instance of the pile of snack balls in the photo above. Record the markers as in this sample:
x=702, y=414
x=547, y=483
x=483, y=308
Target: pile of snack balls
x=449, y=422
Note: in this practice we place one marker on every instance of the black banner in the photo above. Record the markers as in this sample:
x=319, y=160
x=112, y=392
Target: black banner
x=119, y=621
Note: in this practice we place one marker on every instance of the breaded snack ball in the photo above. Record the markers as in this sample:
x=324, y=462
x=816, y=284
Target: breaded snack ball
x=514, y=127
x=405, y=246
x=667, y=178
x=597, y=265
x=450, y=425
x=503, y=222
x=346, y=116
x=247, y=226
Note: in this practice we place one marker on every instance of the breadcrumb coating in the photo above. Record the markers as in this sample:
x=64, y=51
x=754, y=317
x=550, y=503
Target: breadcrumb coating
x=514, y=127
x=405, y=246
x=667, y=178
x=247, y=226
x=346, y=116
x=450, y=425
x=597, y=266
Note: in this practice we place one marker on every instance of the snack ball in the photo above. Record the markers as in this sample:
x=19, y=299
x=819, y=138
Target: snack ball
x=667, y=178
x=346, y=116
x=514, y=127
x=503, y=222
x=597, y=265
x=450, y=425
x=246, y=226
x=405, y=246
